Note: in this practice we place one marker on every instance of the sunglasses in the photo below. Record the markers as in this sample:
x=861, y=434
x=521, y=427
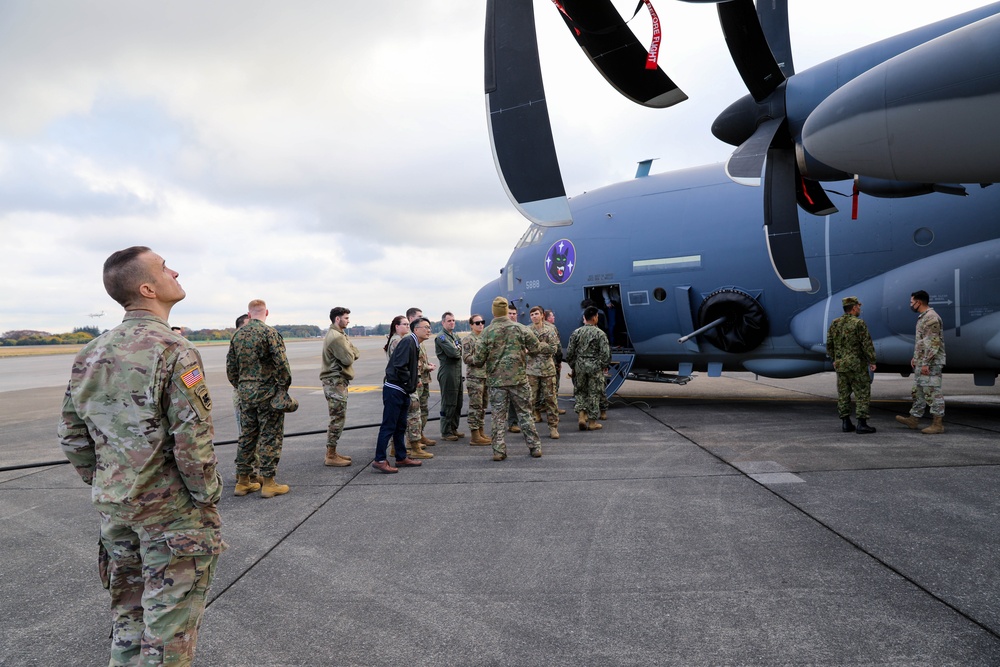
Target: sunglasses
x=478, y=323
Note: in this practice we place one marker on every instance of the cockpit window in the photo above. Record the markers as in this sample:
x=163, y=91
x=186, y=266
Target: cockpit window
x=533, y=234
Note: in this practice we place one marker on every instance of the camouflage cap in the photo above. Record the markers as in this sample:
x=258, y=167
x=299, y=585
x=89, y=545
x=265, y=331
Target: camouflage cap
x=499, y=307
x=851, y=301
x=283, y=402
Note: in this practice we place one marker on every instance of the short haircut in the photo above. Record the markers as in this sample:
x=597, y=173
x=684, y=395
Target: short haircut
x=412, y=312
x=337, y=312
x=538, y=308
x=242, y=319
x=921, y=295
x=547, y=313
x=124, y=273
x=849, y=308
x=511, y=306
x=446, y=314
x=590, y=313
x=416, y=323
x=256, y=306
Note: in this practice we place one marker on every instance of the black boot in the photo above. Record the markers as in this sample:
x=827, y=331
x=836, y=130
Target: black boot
x=848, y=426
x=863, y=426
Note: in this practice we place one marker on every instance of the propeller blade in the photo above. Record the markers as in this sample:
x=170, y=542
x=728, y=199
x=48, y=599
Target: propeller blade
x=520, y=132
x=749, y=48
x=617, y=54
x=781, y=221
x=773, y=15
x=811, y=196
x=746, y=165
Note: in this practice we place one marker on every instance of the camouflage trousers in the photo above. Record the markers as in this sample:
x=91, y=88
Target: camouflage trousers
x=336, y=401
x=518, y=397
x=588, y=388
x=260, y=440
x=414, y=420
x=424, y=390
x=158, y=577
x=543, y=397
x=927, y=392
x=858, y=383
x=479, y=396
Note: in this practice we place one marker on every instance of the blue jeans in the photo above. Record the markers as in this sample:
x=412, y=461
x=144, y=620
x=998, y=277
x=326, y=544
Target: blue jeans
x=395, y=405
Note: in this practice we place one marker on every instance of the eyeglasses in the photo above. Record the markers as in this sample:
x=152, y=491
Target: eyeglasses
x=479, y=323
x=426, y=326
x=404, y=324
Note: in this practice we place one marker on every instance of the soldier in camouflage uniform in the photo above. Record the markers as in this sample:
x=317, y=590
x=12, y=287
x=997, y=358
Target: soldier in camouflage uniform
x=589, y=355
x=541, y=371
x=928, y=363
x=448, y=350
x=336, y=373
x=502, y=353
x=419, y=406
x=136, y=424
x=475, y=382
x=257, y=367
x=849, y=344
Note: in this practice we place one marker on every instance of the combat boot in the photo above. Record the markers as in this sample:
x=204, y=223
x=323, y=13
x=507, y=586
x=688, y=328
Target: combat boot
x=245, y=485
x=604, y=414
x=272, y=488
x=553, y=432
x=594, y=425
x=459, y=434
x=426, y=442
x=582, y=422
x=451, y=437
x=537, y=417
x=514, y=428
x=909, y=421
x=848, y=425
x=335, y=459
x=478, y=438
x=417, y=451
x=536, y=452
x=937, y=426
x=863, y=426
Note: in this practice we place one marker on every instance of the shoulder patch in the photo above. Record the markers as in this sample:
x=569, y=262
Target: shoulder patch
x=192, y=377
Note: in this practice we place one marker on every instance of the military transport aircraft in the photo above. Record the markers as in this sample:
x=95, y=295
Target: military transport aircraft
x=904, y=121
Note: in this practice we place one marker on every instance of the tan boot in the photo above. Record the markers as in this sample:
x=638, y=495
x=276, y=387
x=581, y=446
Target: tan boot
x=245, y=485
x=272, y=488
x=553, y=432
x=426, y=442
x=937, y=426
x=459, y=434
x=909, y=421
x=594, y=425
x=537, y=417
x=417, y=451
x=478, y=438
x=604, y=414
x=335, y=459
x=582, y=422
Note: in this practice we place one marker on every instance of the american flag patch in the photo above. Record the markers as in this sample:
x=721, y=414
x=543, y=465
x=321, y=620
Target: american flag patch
x=192, y=377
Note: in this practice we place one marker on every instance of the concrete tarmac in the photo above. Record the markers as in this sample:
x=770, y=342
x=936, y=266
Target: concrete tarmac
x=725, y=522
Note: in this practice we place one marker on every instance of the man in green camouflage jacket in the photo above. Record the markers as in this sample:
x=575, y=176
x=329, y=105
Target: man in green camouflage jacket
x=541, y=371
x=258, y=369
x=336, y=372
x=502, y=353
x=136, y=424
x=589, y=355
x=475, y=382
x=849, y=344
x=928, y=366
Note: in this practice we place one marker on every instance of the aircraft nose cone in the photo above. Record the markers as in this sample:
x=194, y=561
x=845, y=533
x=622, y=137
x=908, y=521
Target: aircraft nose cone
x=482, y=303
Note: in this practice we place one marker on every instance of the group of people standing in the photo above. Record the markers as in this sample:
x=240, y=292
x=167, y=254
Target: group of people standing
x=850, y=346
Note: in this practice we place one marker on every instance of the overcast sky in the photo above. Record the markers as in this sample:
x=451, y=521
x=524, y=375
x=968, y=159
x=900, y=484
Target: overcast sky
x=316, y=153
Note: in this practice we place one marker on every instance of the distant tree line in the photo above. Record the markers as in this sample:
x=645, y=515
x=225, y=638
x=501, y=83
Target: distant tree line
x=78, y=336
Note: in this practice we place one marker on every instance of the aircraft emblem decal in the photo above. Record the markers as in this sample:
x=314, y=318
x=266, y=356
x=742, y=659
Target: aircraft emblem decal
x=560, y=261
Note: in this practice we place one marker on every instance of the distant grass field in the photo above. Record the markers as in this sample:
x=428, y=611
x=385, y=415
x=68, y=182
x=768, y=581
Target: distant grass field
x=39, y=350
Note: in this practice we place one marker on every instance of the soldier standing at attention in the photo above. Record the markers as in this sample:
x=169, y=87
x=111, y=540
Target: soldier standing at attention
x=541, y=371
x=137, y=426
x=928, y=363
x=589, y=355
x=449, y=354
x=476, y=382
x=336, y=373
x=257, y=367
x=502, y=353
x=849, y=344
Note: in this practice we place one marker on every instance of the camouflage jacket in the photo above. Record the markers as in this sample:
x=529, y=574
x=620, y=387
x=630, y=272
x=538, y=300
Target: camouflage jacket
x=257, y=358
x=541, y=363
x=588, y=344
x=425, y=366
x=501, y=352
x=136, y=423
x=849, y=344
x=469, y=345
x=339, y=355
x=928, y=348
